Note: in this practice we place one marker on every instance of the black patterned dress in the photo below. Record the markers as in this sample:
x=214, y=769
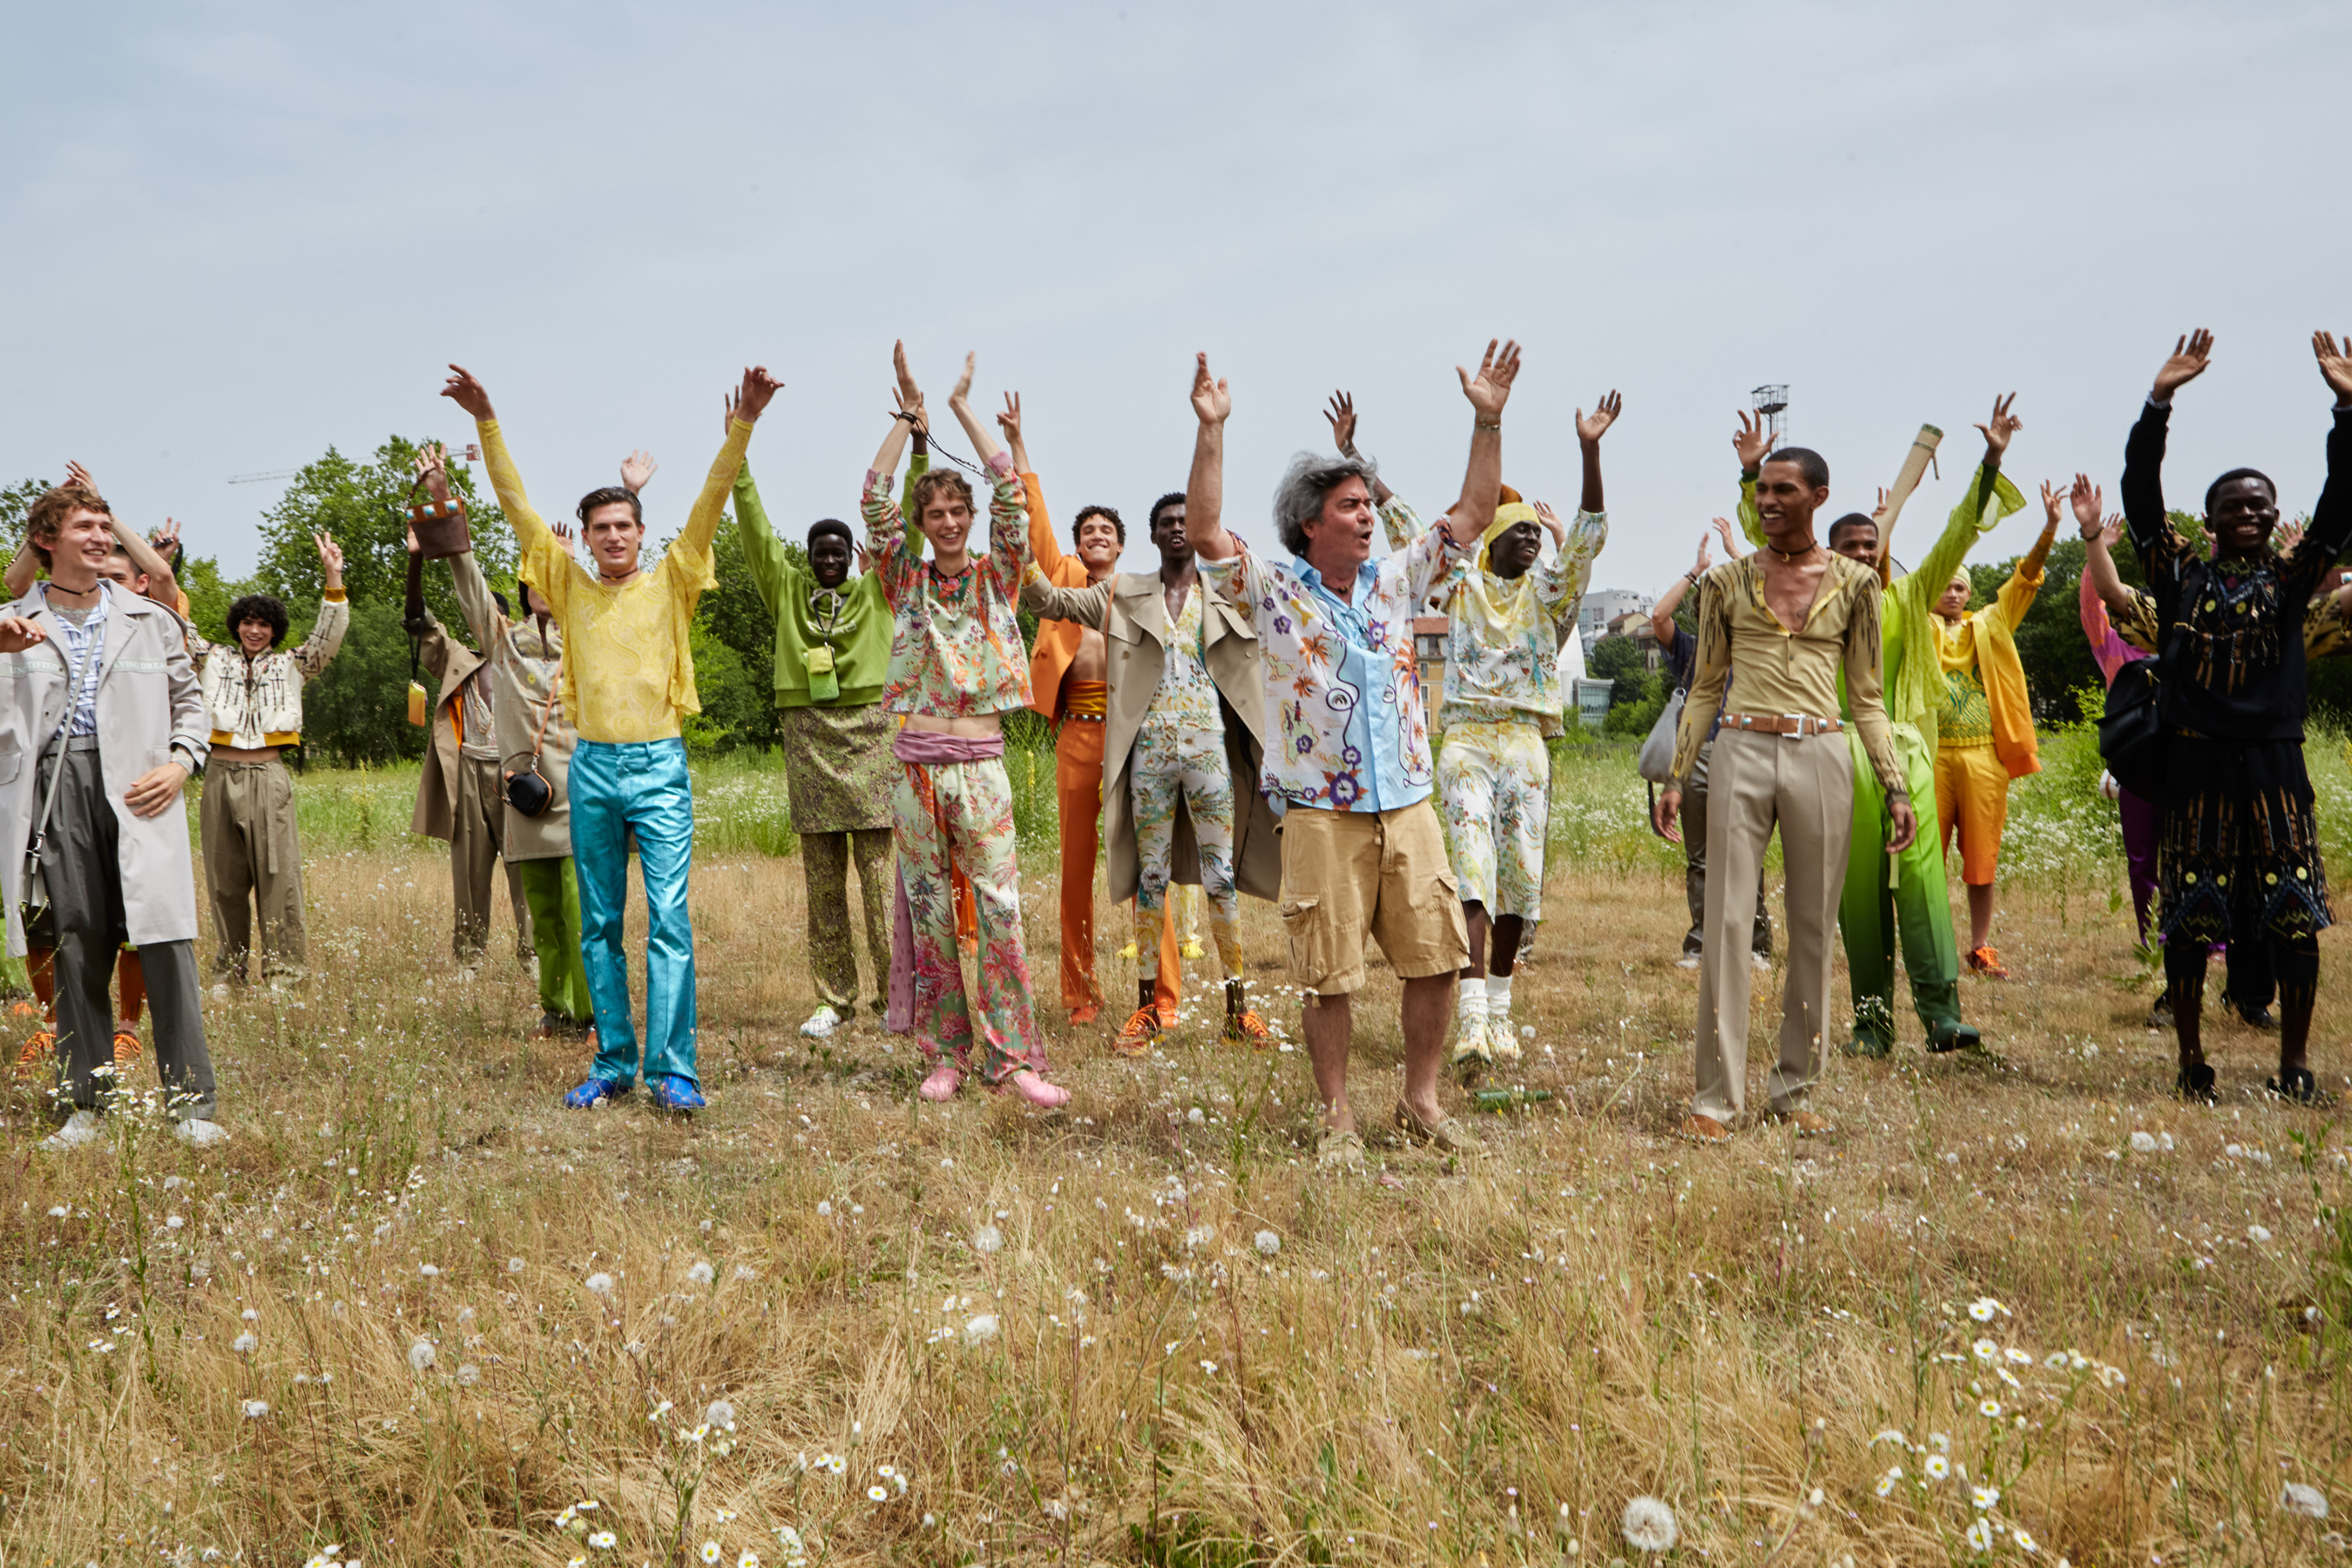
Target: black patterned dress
x=2237, y=851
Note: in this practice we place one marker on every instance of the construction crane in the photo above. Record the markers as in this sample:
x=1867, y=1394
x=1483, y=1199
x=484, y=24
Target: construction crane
x=469, y=452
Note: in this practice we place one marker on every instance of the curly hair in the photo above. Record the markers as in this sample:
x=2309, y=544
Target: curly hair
x=47, y=517
x=1173, y=497
x=1311, y=477
x=261, y=607
x=933, y=482
x=1109, y=513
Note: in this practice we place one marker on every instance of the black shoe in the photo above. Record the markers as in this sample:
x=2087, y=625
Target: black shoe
x=2258, y=1016
x=2160, y=1014
x=1955, y=1037
x=2196, y=1083
x=2300, y=1087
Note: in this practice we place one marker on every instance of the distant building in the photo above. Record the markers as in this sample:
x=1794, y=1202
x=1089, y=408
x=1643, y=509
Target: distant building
x=1597, y=610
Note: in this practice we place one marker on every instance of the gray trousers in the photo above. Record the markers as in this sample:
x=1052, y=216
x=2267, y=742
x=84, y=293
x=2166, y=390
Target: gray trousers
x=80, y=863
x=1695, y=867
x=477, y=847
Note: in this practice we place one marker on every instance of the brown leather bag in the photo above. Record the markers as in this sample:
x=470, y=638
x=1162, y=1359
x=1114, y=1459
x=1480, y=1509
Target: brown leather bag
x=440, y=528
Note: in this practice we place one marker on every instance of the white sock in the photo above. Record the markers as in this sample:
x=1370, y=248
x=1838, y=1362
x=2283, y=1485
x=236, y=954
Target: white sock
x=1471, y=1005
x=1498, y=996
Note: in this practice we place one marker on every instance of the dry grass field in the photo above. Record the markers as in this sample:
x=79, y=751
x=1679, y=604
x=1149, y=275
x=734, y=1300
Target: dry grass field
x=2022, y=1307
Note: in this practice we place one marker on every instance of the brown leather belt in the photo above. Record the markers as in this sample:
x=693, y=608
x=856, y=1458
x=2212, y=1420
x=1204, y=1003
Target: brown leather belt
x=1794, y=725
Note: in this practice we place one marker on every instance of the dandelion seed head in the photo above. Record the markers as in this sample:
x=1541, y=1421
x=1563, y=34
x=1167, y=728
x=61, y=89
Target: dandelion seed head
x=1649, y=1525
x=988, y=1239
x=421, y=1355
x=702, y=1274
x=255, y=1409
x=599, y=1284
x=246, y=1344
x=2143, y=1142
x=2307, y=1501
x=514, y=1265
x=1267, y=1243
x=980, y=1330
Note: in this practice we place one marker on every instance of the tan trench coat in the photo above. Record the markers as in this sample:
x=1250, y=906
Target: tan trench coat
x=149, y=701
x=526, y=666
x=1131, y=612
x=449, y=662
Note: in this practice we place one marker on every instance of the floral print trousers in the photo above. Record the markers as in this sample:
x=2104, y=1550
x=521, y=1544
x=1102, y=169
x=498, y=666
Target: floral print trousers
x=958, y=817
x=1172, y=762
x=1495, y=781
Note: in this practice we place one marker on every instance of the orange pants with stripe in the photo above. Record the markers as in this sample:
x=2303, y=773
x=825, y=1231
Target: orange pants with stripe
x=1077, y=789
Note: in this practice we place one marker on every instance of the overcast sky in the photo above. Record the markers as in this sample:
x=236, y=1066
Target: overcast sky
x=245, y=232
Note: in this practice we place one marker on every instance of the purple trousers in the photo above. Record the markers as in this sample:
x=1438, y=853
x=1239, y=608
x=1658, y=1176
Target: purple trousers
x=2141, y=819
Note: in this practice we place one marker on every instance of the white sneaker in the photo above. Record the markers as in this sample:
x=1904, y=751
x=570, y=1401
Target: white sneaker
x=81, y=1127
x=822, y=1023
x=1472, y=1045
x=1759, y=961
x=1502, y=1038
x=1687, y=961
x=199, y=1133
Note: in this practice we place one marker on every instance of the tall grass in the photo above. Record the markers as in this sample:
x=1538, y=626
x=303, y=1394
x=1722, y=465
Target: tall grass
x=1146, y=1330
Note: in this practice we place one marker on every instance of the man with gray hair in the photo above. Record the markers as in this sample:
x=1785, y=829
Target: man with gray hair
x=1348, y=760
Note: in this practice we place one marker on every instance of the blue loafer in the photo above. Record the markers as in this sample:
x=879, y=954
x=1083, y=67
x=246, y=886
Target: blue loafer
x=669, y=1093
x=589, y=1092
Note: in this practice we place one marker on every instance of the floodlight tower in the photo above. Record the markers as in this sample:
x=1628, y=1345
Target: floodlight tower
x=1772, y=403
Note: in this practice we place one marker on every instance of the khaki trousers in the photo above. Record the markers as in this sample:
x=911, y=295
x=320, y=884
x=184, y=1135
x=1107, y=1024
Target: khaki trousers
x=1806, y=787
x=245, y=823
x=475, y=840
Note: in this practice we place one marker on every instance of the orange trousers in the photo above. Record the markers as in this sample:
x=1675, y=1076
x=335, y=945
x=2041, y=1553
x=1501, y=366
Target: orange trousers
x=1077, y=789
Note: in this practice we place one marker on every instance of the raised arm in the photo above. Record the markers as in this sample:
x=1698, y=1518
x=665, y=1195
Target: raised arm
x=1661, y=614
x=1342, y=416
x=326, y=638
x=1482, y=476
x=2151, y=532
x=751, y=402
x=1907, y=479
x=24, y=571
x=1560, y=584
x=1044, y=548
x=1989, y=498
x=763, y=554
x=2331, y=518
x=1590, y=428
x=482, y=616
x=1751, y=443
x=147, y=559
x=548, y=558
x=2024, y=583
x=1204, y=489
x=984, y=445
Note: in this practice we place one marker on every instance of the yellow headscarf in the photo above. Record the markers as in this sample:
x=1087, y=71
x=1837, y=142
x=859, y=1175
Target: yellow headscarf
x=1505, y=609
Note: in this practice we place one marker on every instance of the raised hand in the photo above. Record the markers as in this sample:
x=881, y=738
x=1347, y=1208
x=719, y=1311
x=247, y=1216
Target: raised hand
x=2190, y=357
x=1491, y=387
x=433, y=466
x=1880, y=510
x=2335, y=364
x=1752, y=443
x=1997, y=434
x=1009, y=419
x=751, y=400
x=563, y=531
x=910, y=397
x=2112, y=531
x=1731, y=550
x=864, y=562
x=2286, y=536
x=1341, y=417
x=1590, y=427
x=1211, y=401
x=1551, y=520
x=166, y=538
x=1706, y=551
x=78, y=475
x=330, y=556
x=961, y=398
x=2088, y=500
x=2053, y=497
x=467, y=392
x=638, y=466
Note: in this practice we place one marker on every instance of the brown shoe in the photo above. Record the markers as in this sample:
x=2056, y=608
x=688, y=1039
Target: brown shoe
x=1447, y=1132
x=1984, y=961
x=1135, y=1037
x=1702, y=1130
x=126, y=1046
x=1808, y=1125
x=41, y=1050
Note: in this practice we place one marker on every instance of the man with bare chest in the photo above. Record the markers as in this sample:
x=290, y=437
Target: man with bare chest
x=1778, y=625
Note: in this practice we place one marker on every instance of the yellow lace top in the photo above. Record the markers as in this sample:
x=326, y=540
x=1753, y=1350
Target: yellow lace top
x=628, y=666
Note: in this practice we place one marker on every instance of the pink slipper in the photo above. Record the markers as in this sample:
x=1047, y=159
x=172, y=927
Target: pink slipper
x=1036, y=1090
x=945, y=1080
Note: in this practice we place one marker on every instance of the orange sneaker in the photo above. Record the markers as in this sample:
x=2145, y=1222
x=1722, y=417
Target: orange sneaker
x=126, y=1046
x=1246, y=1029
x=1984, y=961
x=1135, y=1037
x=40, y=1048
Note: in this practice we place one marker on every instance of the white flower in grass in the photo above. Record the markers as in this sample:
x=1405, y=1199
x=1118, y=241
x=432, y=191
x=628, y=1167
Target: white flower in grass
x=514, y=1265
x=2309, y=1502
x=1939, y=1441
x=1886, y=1482
x=1983, y=1308
x=711, y=1552
x=468, y=1375
x=749, y=1560
x=599, y=1284
x=1989, y=1409
x=2143, y=1143
x=2257, y=1234
x=603, y=1541
x=255, y=1409
x=987, y=1239
x=2025, y=1543
x=2018, y=1357
x=429, y=1271
x=1984, y=1498
x=1986, y=1350
x=581, y=1562
x=1936, y=1467
x=877, y=1494
x=1649, y=1525
x=743, y=1271
x=250, y=1316
x=1981, y=1535
x=1268, y=1243
x=244, y=1343
x=1891, y=1435
x=980, y=1330
x=60, y=1212
x=719, y=1413
x=421, y=1355
x=702, y=1274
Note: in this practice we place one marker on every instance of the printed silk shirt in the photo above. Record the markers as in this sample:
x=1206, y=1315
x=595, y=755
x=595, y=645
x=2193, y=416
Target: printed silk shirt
x=955, y=647
x=1187, y=697
x=1341, y=678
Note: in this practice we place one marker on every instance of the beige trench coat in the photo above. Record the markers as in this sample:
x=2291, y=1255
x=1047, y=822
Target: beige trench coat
x=449, y=662
x=1131, y=612
x=526, y=663
x=149, y=703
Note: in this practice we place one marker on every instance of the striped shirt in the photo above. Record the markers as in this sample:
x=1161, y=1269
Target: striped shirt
x=83, y=633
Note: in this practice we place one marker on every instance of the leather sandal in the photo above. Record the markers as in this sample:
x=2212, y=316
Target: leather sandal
x=1447, y=1133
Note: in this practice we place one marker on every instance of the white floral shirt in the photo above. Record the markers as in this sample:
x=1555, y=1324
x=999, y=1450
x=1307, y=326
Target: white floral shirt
x=1342, y=683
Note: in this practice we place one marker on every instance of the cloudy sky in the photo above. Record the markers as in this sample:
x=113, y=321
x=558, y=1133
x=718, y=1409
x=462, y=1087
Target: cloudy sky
x=245, y=232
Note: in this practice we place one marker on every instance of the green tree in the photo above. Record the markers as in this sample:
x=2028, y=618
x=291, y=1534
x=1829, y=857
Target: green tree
x=356, y=712
x=1615, y=658
x=15, y=502
x=739, y=692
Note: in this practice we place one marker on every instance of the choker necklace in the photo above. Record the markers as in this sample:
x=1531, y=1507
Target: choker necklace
x=1789, y=558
